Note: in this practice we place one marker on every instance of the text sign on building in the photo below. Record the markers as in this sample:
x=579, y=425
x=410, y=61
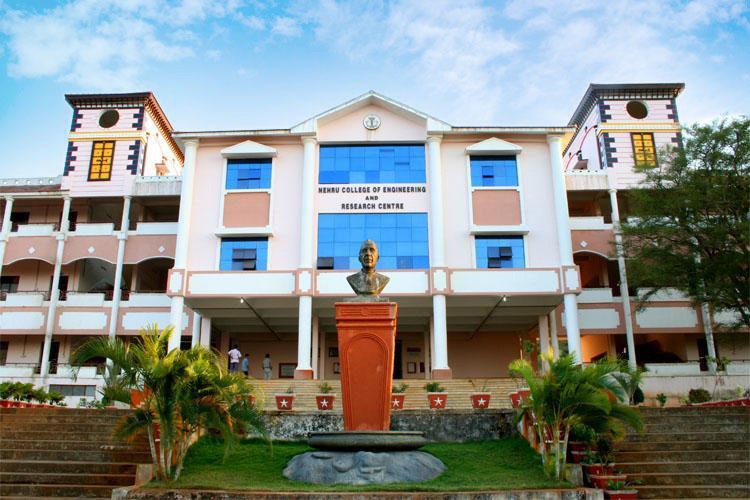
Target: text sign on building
x=332, y=198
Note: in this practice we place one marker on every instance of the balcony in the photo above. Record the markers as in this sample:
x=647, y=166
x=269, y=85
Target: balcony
x=162, y=185
x=586, y=180
x=23, y=312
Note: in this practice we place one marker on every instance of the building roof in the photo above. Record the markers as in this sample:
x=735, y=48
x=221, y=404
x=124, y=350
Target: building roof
x=622, y=91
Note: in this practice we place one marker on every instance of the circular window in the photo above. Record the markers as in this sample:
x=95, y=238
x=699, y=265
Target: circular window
x=109, y=118
x=637, y=110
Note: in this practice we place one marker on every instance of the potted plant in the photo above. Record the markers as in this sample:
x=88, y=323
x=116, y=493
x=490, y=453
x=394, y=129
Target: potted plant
x=56, y=399
x=580, y=441
x=20, y=393
x=661, y=398
x=601, y=461
x=285, y=401
x=398, y=395
x=480, y=398
x=324, y=398
x=6, y=391
x=622, y=490
x=40, y=396
x=436, y=395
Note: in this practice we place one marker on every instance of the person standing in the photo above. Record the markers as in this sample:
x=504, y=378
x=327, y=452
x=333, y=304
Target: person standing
x=234, y=359
x=246, y=365
x=267, y=367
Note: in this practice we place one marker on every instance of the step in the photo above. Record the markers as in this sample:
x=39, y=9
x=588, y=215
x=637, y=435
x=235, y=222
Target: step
x=721, y=491
x=55, y=490
x=58, y=428
x=62, y=419
x=59, y=435
x=37, y=444
x=697, y=426
x=689, y=419
x=67, y=467
x=67, y=478
x=76, y=455
x=681, y=456
x=695, y=412
x=705, y=467
x=674, y=445
x=692, y=478
x=691, y=436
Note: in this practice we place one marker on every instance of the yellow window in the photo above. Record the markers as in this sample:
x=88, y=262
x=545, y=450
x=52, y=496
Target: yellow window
x=101, y=161
x=644, y=153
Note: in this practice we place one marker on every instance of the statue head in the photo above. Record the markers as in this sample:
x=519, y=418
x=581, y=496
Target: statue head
x=368, y=255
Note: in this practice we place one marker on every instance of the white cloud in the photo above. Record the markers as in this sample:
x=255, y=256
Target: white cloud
x=286, y=26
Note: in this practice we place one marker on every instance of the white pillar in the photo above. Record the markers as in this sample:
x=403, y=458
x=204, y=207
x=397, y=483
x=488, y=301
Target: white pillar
x=553, y=334
x=205, y=331
x=5, y=229
x=624, y=293
x=543, y=322
x=122, y=237
x=304, y=328
x=564, y=242
x=183, y=233
x=196, y=329
x=440, y=368
x=708, y=330
x=315, y=347
x=427, y=351
x=54, y=293
x=322, y=341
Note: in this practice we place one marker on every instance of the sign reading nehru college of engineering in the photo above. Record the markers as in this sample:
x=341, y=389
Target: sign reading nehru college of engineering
x=332, y=198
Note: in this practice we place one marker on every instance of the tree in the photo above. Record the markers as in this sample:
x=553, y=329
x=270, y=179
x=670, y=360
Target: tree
x=187, y=392
x=689, y=224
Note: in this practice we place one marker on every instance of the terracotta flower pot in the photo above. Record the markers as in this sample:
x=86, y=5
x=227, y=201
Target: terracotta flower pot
x=577, y=457
x=621, y=494
x=480, y=400
x=5, y=403
x=602, y=481
x=577, y=446
x=324, y=402
x=251, y=400
x=284, y=402
x=397, y=401
x=138, y=397
x=524, y=394
x=437, y=400
x=515, y=399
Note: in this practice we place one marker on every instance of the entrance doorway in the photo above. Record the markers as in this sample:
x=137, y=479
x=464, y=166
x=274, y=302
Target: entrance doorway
x=398, y=372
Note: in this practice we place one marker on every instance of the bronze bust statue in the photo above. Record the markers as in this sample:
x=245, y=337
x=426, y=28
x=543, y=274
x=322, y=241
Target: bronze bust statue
x=368, y=284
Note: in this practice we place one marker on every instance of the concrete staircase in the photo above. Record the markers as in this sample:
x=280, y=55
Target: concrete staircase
x=690, y=452
x=458, y=391
x=53, y=453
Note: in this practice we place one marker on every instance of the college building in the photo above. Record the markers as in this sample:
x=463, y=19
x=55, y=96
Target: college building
x=498, y=241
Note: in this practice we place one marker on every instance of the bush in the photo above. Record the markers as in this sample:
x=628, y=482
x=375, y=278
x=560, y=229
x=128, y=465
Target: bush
x=434, y=387
x=400, y=388
x=698, y=396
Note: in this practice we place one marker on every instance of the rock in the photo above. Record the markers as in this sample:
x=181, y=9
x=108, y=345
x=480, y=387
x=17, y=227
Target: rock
x=363, y=467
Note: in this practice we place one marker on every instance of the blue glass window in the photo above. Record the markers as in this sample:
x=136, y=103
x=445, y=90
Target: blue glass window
x=249, y=173
x=243, y=254
x=401, y=238
x=494, y=171
x=371, y=164
x=500, y=252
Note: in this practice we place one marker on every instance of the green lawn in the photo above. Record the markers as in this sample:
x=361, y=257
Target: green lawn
x=252, y=465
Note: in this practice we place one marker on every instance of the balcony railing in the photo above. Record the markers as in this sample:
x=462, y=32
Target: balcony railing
x=24, y=297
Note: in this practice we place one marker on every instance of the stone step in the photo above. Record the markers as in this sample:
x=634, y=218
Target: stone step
x=58, y=435
x=55, y=490
x=62, y=419
x=57, y=427
x=38, y=444
x=697, y=426
x=678, y=420
x=692, y=478
x=67, y=467
x=66, y=478
x=681, y=456
x=691, y=436
x=634, y=468
x=139, y=457
x=694, y=411
x=684, y=445
x=687, y=491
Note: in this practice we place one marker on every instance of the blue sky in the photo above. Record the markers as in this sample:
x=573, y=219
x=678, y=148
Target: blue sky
x=250, y=64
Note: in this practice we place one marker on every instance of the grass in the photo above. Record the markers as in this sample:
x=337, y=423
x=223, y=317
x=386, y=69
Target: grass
x=253, y=465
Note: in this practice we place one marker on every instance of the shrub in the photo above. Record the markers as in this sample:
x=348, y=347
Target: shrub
x=698, y=396
x=662, y=399
x=400, y=388
x=434, y=387
x=325, y=388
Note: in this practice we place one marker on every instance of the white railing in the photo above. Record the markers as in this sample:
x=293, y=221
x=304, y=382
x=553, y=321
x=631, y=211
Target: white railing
x=595, y=296
x=156, y=228
x=157, y=185
x=94, y=229
x=589, y=223
x=31, y=181
x=35, y=230
x=83, y=299
x=156, y=299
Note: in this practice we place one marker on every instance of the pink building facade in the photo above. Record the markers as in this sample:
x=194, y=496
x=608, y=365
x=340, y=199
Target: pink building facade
x=497, y=240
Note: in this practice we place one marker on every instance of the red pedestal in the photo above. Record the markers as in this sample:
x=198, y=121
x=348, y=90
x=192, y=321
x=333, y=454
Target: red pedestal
x=367, y=338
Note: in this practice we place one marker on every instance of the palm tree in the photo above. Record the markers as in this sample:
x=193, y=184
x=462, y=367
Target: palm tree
x=187, y=392
x=569, y=394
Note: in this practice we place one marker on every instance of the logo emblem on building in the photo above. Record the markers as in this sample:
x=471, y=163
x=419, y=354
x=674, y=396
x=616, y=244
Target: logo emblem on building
x=371, y=122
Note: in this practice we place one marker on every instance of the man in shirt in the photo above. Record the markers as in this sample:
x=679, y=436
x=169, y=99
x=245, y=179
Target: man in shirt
x=267, y=367
x=246, y=365
x=234, y=359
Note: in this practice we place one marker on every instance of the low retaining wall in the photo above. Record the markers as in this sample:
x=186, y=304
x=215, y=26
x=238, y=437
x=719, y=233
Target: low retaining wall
x=572, y=494
x=438, y=426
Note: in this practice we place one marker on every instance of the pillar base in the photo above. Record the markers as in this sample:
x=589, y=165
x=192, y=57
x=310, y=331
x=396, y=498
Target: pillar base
x=442, y=374
x=303, y=374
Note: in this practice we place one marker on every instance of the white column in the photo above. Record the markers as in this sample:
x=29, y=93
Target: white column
x=5, y=230
x=624, y=293
x=427, y=351
x=122, y=237
x=315, y=347
x=323, y=355
x=440, y=366
x=708, y=330
x=564, y=242
x=553, y=334
x=304, y=327
x=54, y=293
x=205, y=331
x=196, y=329
x=544, y=345
x=183, y=233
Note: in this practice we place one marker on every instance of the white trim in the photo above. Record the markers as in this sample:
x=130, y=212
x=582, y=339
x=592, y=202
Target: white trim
x=521, y=198
x=232, y=232
x=493, y=146
x=248, y=149
x=519, y=229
